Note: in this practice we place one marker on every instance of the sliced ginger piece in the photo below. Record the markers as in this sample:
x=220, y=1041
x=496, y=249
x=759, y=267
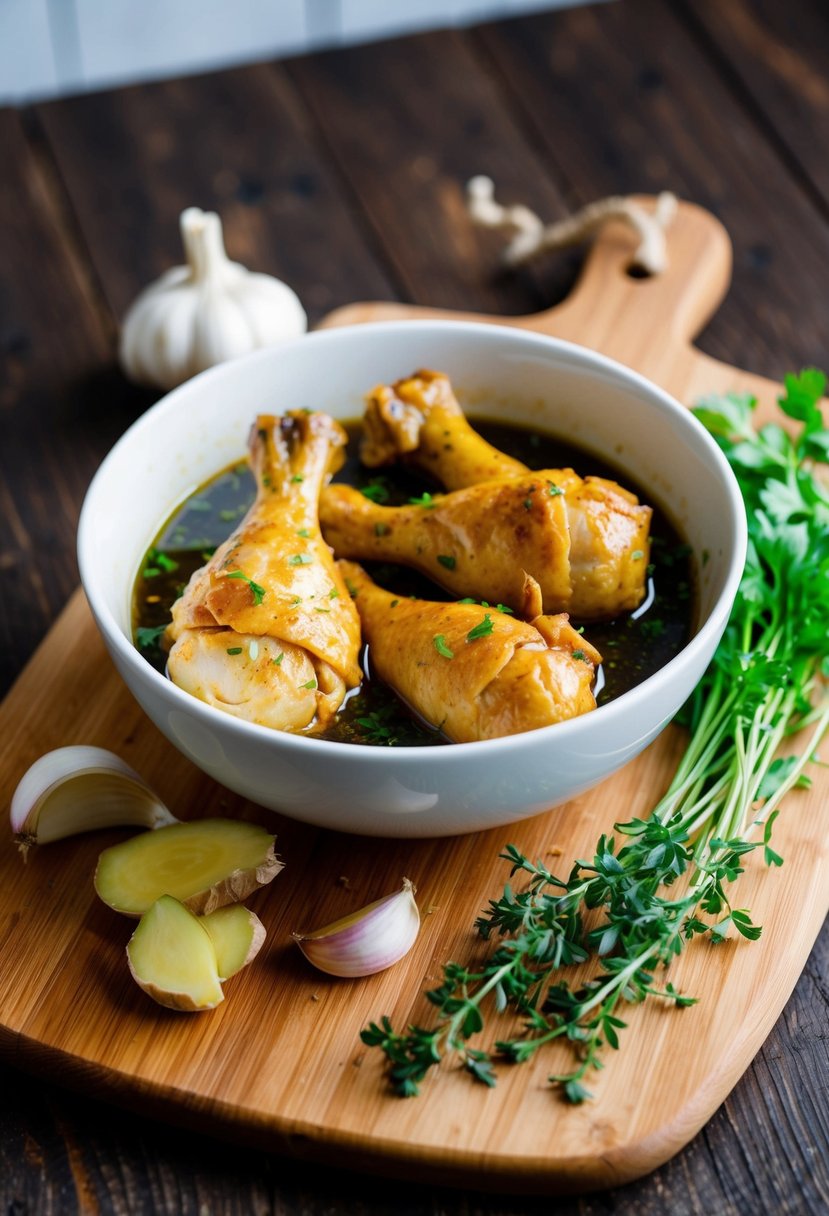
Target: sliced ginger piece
x=205, y=864
x=171, y=957
x=237, y=935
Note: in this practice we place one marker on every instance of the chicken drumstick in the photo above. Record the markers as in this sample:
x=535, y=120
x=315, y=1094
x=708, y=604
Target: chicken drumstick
x=267, y=630
x=597, y=537
x=473, y=673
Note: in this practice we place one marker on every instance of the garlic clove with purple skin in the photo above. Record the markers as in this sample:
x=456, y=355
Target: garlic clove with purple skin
x=80, y=789
x=368, y=940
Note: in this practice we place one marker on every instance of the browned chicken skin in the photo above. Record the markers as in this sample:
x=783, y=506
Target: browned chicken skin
x=588, y=548
x=474, y=673
x=581, y=543
x=267, y=630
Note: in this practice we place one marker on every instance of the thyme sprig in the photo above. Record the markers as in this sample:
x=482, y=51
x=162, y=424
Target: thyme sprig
x=631, y=908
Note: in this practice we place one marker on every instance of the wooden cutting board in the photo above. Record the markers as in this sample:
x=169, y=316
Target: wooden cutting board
x=280, y=1062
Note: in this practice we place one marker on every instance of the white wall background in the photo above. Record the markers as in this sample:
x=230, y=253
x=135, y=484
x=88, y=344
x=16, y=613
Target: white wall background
x=52, y=47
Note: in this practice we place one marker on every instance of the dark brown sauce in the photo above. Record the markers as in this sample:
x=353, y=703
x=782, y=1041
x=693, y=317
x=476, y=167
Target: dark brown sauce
x=634, y=646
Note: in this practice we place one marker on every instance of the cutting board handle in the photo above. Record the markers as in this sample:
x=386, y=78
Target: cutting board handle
x=620, y=308
x=643, y=322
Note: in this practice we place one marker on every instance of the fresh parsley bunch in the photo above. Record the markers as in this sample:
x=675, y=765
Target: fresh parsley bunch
x=764, y=684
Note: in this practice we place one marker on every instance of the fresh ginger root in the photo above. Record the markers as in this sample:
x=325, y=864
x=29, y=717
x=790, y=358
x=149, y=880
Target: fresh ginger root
x=180, y=960
x=205, y=864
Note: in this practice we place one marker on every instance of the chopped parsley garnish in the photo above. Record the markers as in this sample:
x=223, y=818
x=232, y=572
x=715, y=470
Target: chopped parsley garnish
x=670, y=556
x=322, y=610
x=309, y=684
x=652, y=627
x=528, y=504
x=381, y=529
x=158, y=562
x=375, y=729
x=146, y=637
x=297, y=478
x=484, y=604
x=637, y=555
x=234, y=650
x=277, y=662
x=447, y=560
x=482, y=630
x=579, y=654
x=553, y=490
x=199, y=504
x=394, y=603
x=377, y=490
x=304, y=533
x=297, y=599
x=257, y=592
x=228, y=514
x=441, y=647
x=300, y=559
x=333, y=594
x=425, y=500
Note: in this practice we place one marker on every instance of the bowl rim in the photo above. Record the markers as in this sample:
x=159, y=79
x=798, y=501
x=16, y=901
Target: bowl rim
x=735, y=540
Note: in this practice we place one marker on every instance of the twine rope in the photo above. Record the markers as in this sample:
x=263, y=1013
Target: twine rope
x=532, y=237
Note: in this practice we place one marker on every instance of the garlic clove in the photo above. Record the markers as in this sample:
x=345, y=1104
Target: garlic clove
x=80, y=789
x=368, y=940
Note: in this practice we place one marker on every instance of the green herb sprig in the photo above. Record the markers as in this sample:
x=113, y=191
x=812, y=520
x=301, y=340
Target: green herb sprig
x=618, y=910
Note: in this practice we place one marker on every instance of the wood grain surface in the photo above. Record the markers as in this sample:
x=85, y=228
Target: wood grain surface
x=722, y=102
x=280, y=1063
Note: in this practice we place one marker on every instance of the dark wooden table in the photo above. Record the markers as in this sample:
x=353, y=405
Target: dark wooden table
x=343, y=173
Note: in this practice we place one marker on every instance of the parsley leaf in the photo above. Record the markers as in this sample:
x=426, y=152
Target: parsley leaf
x=482, y=630
x=257, y=592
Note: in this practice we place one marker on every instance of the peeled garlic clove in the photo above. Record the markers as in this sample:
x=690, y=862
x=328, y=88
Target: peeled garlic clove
x=80, y=789
x=368, y=940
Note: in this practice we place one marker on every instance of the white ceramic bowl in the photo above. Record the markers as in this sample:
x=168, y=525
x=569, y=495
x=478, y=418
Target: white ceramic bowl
x=202, y=427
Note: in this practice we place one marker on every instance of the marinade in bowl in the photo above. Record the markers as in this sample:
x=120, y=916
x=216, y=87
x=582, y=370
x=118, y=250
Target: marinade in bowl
x=633, y=645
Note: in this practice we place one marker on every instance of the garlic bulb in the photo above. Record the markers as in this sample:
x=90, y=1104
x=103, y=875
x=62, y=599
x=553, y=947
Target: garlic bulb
x=203, y=313
x=367, y=941
x=81, y=789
